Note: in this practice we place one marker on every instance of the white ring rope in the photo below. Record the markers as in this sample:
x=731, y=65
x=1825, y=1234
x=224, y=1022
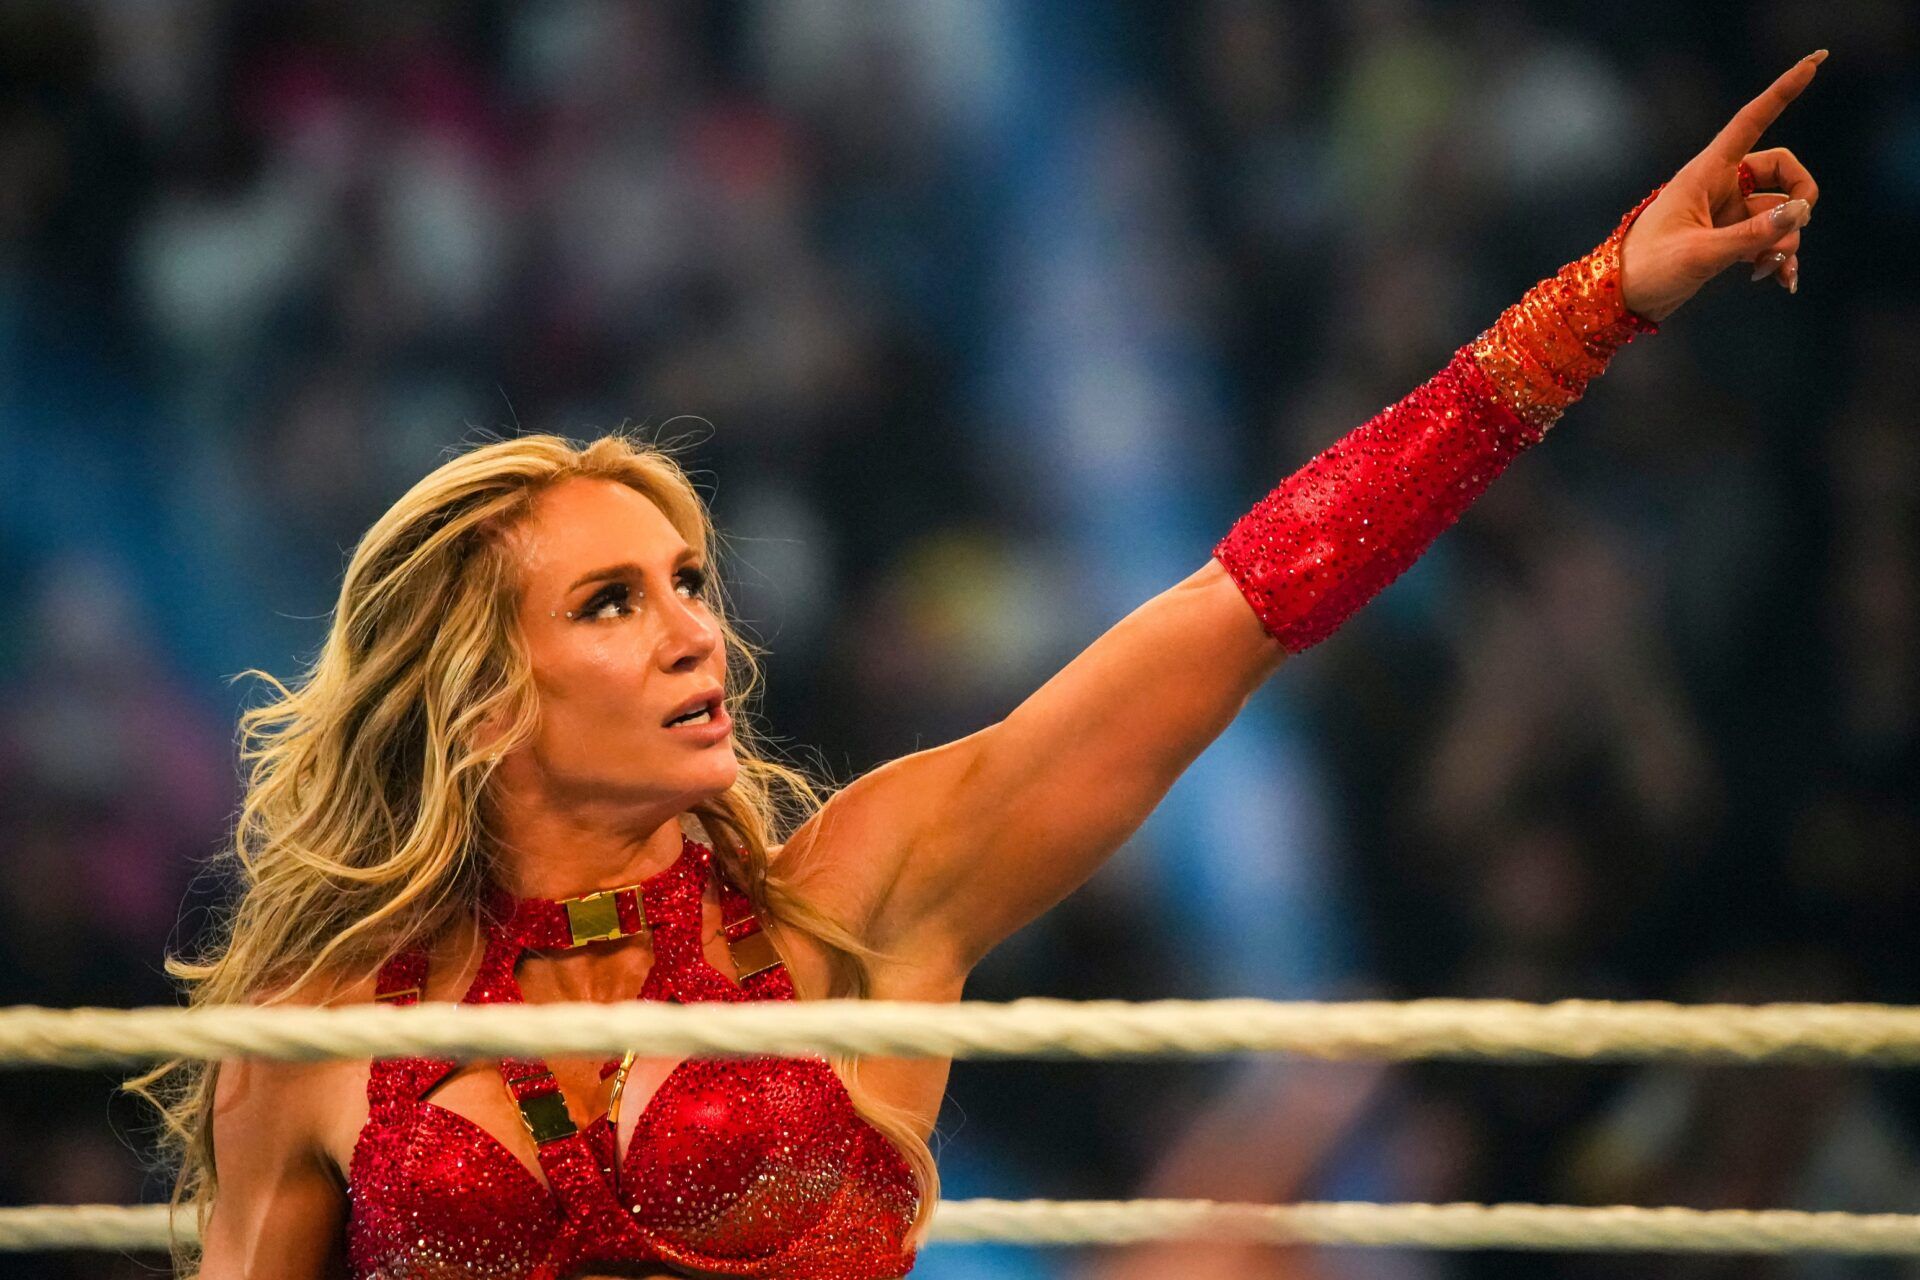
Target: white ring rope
x=1044, y=1028
x=1432, y=1226
x=1031, y=1028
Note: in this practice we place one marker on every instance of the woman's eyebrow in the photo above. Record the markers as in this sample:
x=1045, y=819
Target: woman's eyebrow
x=626, y=568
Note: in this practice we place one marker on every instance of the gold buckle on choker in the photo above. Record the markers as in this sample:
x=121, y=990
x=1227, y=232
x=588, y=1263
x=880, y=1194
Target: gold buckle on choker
x=593, y=917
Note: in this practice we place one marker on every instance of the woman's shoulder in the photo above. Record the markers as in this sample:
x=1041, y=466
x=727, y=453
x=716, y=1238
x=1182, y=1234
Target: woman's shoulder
x=269, y=1114
x=348, y=982
x=440, y=964
x=249, y=1082
x=293, y=1113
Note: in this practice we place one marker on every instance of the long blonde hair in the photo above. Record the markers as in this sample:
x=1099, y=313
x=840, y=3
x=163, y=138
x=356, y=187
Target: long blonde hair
x=360, y=831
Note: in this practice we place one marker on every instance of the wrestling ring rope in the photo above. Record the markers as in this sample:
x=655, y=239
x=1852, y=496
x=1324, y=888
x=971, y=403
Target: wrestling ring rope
x=1487, y=1030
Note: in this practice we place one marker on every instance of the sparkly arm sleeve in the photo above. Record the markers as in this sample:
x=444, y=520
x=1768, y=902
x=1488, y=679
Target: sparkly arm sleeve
x=1336, y=532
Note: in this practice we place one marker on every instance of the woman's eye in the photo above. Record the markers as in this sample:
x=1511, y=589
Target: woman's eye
x=616, y=596
x=607, y=598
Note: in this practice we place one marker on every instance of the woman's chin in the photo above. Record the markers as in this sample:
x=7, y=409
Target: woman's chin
x=728, y=771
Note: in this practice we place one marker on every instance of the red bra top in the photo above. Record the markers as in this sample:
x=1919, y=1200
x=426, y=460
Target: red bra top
x=741, y=1166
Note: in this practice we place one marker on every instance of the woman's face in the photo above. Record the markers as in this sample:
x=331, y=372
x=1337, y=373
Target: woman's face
x=621, y=640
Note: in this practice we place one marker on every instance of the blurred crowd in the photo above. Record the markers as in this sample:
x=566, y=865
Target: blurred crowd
x=1643, y=726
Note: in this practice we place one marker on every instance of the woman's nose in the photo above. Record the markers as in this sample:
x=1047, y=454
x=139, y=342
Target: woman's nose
x=691, y=635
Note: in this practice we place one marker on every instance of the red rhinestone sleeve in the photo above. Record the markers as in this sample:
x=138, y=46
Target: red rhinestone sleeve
x=1332, y=535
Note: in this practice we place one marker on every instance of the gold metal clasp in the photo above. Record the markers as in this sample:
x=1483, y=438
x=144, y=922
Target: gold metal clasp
x=593, y=917
x=753, y=954
x=619, y=1087
x=544, y=1114
x=546, y=1118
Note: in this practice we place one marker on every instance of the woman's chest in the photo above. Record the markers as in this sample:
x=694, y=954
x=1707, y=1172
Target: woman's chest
x=750, y=1158
x=477, y=1093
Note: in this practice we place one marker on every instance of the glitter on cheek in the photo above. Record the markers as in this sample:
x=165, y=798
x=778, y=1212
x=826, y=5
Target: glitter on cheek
x=1335, y=533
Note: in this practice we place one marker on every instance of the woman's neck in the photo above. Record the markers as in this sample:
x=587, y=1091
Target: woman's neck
x=551, y=855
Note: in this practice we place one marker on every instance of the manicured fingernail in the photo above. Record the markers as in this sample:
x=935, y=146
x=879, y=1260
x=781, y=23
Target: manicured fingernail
x=1817, y=57
x=1793, y=276
x=1791, y=214
x=1768, y=264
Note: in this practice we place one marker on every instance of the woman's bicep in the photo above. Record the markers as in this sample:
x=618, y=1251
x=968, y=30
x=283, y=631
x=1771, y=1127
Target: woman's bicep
x=279, y=1209
x=955, y=847
x=1057, y=786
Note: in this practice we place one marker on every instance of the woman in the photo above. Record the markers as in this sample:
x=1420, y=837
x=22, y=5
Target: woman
x=514, y=773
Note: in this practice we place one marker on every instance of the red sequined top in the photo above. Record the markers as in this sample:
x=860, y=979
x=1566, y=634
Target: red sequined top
x=739, y=1166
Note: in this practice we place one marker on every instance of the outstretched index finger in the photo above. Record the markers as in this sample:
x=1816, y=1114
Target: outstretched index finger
x=1744, y=130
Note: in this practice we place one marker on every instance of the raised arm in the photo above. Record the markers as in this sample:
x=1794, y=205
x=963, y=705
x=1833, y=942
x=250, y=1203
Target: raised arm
x=950, y=850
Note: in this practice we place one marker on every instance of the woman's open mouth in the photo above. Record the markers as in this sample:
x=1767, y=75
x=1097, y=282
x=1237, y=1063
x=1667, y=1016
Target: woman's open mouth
x=709, y=723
